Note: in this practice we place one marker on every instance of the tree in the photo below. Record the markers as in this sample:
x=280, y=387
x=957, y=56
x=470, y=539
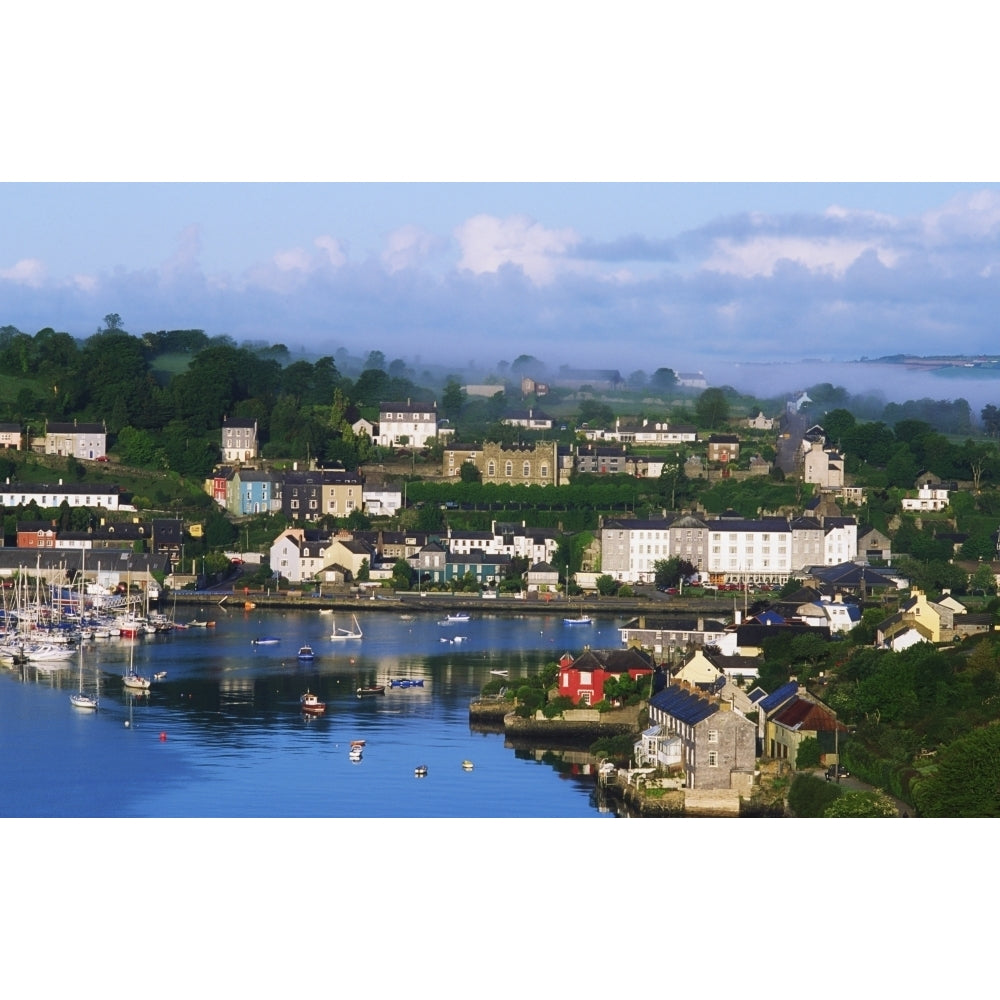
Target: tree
x=452, y=399
x=838, y=423
x=808, y=754
x=525, y=363
x=991, y=420
x=668, y=572
x=375, y=361
x=606, y=585
x=663, y=379
x=712, y=408
x=468, y=473
x=966, y=781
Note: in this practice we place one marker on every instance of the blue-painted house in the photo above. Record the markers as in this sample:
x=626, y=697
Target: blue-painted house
x=254, y=492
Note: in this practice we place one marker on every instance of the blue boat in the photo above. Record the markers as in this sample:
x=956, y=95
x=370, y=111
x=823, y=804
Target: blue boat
x=406, y=682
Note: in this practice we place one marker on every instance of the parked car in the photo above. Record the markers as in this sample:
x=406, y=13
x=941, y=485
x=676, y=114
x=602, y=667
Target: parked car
x=836, y=770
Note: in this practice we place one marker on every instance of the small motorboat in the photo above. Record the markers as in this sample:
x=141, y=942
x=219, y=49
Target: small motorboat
x=371, y=689
x=264, y=640
x=159, y=675
x=357, y=743
x=355, y=753
x=311, y=705
x=582, y=620
x=420, y=771
x=461, y=616
x=467, y=765
x=306, y=653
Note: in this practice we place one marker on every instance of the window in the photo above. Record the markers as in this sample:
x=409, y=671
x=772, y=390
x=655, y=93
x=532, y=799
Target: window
x=491, y=469
x=508, y=469
x=526, y=470
x=713, y=758
x=713, y=736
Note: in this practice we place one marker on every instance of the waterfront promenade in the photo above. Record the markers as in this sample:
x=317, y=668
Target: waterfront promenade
x=434, y=601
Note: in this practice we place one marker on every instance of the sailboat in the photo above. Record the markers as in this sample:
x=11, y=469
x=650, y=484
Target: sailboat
x=132, y=680
x=347, y=633
x=79, y=699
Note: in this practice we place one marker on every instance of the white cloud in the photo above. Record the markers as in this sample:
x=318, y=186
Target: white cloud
x=29, y=271
x=84, y=282
x=334, y=250
x=406, y=247
x=295, y=259
x=759, y=255
x=973, y=215
x=487, y=243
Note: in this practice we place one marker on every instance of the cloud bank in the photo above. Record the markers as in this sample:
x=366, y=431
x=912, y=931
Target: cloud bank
x=838, y=284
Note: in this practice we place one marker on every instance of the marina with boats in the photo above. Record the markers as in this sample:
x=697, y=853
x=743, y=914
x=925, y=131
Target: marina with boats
x=226, y=711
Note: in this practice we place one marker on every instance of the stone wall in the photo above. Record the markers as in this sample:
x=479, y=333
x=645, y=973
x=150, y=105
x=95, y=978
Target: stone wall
x=712, y=802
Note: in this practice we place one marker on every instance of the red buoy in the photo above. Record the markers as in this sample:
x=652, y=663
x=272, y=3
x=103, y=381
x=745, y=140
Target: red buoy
x=163, y=737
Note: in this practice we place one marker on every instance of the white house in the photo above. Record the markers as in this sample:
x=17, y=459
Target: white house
x=415, y=422
x=75, y=495
x=79, y=440
x=298, y=554
x=928, y=498
x=381, y=499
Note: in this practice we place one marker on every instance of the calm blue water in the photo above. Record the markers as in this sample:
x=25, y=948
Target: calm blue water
x=222, y=735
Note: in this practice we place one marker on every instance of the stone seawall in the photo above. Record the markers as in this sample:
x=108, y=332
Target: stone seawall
x=489, y=712
x=563, y=732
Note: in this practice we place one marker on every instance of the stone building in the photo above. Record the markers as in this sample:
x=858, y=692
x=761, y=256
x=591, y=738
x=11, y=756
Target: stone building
x=535, y=464
x=718, y=742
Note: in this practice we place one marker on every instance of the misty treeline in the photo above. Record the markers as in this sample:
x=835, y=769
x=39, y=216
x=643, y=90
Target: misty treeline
x=164, y=395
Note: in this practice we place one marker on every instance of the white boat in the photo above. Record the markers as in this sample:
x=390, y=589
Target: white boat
x=347, y=633
x=461, y=616
x=582, y=620
x=79, y=699
x=46, y=652
x=131, y=680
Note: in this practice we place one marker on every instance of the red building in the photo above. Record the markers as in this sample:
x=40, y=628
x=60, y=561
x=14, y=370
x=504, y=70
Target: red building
x=36, y=535
x=582, y=679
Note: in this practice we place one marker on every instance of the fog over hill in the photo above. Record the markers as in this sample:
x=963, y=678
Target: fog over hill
x=893, y=383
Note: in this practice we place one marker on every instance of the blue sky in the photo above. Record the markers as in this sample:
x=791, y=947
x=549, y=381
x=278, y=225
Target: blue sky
x=385, y=183
x=627, y=275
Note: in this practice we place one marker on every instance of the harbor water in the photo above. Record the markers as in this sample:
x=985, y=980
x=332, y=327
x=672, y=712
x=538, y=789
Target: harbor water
x=221, y=732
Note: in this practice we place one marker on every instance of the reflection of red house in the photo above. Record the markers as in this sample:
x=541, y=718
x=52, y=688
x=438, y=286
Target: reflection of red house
x=582, y=679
